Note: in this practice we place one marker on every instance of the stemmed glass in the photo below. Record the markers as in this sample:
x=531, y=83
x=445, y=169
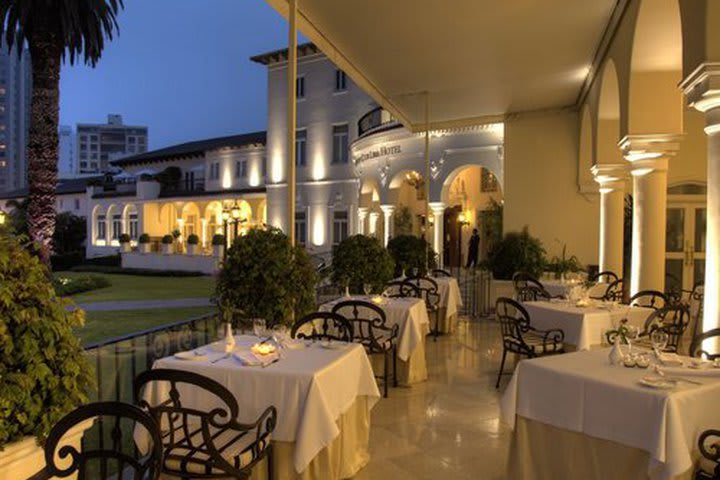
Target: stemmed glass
x=415, y=272
x=659, y=341
x=259, y=327
x=367, y=288
x=632, y=334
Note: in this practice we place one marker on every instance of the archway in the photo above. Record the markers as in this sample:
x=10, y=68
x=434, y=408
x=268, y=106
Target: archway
x=213, y=221
x=99, y=226
x=130, y=221
x=369, y=207
x=168, y=218
x=607, y=133
x=190, y=220
x=114, y=224
x=406, y=191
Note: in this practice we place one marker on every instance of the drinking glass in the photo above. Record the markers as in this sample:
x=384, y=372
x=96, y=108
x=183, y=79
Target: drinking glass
x=659, y=340
x=279, y=333
x=259, y=327
x=367, y=288
x=632, y=334
x=415, y=271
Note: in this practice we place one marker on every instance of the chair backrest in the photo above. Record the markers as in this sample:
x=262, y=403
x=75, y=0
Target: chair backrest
x=605, y=277
x=695, y=304
x=369, y=323
x=709, y=446
x=438, y=272
x=323, y=326
x=402, y=289
x=531, y=293
x=673, y=320
x=523, y=279
x=711, y=351
x=650, y=299
x=513, y=319
x=116, y=422
x=615, y=291
x=428, y=291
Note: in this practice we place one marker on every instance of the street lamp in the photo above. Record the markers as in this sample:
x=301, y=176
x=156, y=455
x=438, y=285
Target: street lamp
x=225, y=217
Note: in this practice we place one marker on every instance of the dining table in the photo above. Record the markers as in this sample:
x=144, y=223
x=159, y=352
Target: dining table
x=411, y=317
x=579, y=416
x=450, y=303
x=323, y=394
x=584, y=323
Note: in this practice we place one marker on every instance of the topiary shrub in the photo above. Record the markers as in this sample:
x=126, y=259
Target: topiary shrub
x=409, y=251
x=218, y=239
x=358, y=260
x=144, y=238
x=516, y=252
x=264, y=276
x=167, y=240
x=65, y=286
x=193, y=239
x=43, y=368
x=124, y=238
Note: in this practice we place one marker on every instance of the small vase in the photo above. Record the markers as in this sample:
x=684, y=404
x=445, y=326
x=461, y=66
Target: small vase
x=229, y=338
x=616, y=354
x=347, y=291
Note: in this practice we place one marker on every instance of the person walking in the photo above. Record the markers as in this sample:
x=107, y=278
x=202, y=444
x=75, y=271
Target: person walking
x=473, y=249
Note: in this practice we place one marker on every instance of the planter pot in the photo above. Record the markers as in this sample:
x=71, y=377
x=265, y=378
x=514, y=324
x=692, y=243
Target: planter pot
x=125, y=247
x=218, y=250
x=167, y=249
x=500, y=288
x=24, y=458
x=144, y=247
x=193, y=249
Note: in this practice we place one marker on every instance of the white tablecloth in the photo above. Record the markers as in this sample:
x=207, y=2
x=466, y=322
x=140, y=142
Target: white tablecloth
x=310, y=388
x=581, y=392
x=450, y=298
x=583, y=327
x=562, y=288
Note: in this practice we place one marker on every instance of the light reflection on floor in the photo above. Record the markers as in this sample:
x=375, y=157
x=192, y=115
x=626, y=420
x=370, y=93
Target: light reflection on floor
x=447, y=427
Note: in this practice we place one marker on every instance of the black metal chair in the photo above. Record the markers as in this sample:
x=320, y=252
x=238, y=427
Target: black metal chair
x=119, y=455
x=200, y=443
x=649, y=298
x=520, y=338
x=671, y=319
x=402, y=289
x=698, y=350
x=370, y=329
x=695, y=304
x=323, y=326
x=531, y=293
x=709, y=465
x=431, y=294
x=438, y=272
x=615, y=291
x=605, y=277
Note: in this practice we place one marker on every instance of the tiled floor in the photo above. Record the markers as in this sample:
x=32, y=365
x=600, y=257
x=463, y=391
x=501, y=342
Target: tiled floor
x=447, y=427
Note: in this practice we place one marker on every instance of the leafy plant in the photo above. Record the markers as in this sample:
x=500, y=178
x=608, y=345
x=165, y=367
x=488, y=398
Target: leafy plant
x=144, y=238
x=176, y=233
x=124, y=238
x=65, y=286
x=218, y=239
x=193, y=239
x=516, y=252
x=564, y=264
x=44, y=371
x=403, y=221
x=70, y=233
x=360, y=259
x=410, y=252
x=167, y=240
x=264, y=276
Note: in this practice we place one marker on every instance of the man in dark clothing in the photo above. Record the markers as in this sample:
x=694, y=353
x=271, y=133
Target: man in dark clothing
x=473, y=249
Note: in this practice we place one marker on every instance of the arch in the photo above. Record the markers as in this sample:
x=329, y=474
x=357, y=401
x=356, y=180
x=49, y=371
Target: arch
x=607, y=126
x=190, y=219
x=586, y=157
x=113, y=224
x=130, y=221
x=213, y=221
x=261, y=212
x=655, y=102
x=99, y=225
x=168, y=218
x=446, y=195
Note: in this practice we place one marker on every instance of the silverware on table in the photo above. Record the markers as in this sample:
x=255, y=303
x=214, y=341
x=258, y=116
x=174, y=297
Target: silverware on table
x=265, y=365
x=227, y=355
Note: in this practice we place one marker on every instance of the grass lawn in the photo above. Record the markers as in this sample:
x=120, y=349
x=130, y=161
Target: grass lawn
x=138, y=287
x=102, y=325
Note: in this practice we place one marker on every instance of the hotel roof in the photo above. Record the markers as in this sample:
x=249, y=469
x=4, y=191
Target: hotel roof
x=276, y=56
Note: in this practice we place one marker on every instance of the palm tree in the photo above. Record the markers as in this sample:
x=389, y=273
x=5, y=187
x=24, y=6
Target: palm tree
x=54, y=30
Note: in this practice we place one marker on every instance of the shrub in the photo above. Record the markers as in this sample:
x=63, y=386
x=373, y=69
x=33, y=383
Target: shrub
x=176, y=233
x=264, y=276
x=66, y=261
x=124, y=238
x=358, y=260
x=136, y=271
x=43, y=368
x=70, y=233
x=516, y=252
x=144, y=238
x=410, y=252
x=168, y=240
x=193, y=239
x=218, y=239
x=107, y=261
x=65, y=286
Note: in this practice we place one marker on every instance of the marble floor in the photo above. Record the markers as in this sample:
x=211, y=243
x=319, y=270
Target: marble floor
x=449, y=426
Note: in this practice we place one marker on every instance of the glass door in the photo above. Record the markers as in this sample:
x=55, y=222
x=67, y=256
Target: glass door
x=685, y=246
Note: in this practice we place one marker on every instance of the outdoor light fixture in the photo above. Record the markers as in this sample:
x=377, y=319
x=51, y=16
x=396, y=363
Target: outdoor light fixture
x=225, y=215
x=235, y=211
x=3, y=216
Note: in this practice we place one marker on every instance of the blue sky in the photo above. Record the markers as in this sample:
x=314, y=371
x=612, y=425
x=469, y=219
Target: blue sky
x=181, y=67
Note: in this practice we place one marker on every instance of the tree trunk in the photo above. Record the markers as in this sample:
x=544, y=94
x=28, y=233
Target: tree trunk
x=45, y=55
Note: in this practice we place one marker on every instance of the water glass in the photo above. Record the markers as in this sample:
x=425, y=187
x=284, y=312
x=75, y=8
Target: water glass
x=659, y=340
x=632, y=334
x=415, y=271
x=259, y=327
x=367, y=288
x=280, y=333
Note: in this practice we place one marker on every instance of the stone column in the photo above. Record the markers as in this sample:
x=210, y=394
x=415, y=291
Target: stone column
x=611, y=182
x=438, y=211
x=372, y=226
x=388, y=211
x=702, y=89
x=648, y=156
x=362, y=215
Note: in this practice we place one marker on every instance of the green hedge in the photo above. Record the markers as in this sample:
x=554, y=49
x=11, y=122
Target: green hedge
x=135, y=271
x=67, y=261
x=106, y=261
x=65, y=286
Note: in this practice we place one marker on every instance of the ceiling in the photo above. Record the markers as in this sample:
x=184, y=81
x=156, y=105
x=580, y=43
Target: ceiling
x=478, y=60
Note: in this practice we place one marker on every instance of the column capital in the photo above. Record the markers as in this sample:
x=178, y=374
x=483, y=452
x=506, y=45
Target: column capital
x=643, y=147
x=702, y=90
x=610, y=177
x=363, y=211
x=437, y=207
x=388, y=209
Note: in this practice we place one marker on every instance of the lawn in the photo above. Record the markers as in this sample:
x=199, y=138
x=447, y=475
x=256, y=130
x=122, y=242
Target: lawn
x=138, y=287
x=104, y=325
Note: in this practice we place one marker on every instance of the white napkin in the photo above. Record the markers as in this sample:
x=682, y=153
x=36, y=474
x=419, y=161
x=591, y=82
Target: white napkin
x=250, y=359
x=671, y=360
x=294, y=344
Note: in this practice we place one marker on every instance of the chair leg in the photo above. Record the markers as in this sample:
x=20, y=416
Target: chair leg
x=502, y=366
x=270, y=462
x=395, y=377
x=436, y=332
x=385, y=378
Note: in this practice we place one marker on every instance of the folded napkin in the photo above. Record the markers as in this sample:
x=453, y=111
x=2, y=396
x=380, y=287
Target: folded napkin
x=293, y=344
x=671, y=360
x=250, y=359
x=704, y=371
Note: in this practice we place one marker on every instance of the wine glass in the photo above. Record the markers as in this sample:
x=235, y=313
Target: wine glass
x=259, y=327
x=367, y=288
x=659, y=341
x=279, y=333
x=632, y=333
x=415, y=271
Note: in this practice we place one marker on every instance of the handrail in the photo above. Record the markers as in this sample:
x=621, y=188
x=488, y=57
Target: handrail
x=372, y=122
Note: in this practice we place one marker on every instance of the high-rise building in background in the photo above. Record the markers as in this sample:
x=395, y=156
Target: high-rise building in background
x=98, y=144
x=66, y=157
x=15, y=95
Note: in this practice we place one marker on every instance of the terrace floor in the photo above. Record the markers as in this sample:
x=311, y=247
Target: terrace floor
x=447, y=427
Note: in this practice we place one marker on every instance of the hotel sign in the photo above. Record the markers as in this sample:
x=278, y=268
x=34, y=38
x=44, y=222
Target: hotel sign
x=379, y=152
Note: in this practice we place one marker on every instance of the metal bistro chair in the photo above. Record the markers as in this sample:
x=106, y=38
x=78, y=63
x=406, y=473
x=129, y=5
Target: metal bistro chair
x=671, y=319
x=370, y=329
x=323, y=326
x=709, y=465
x=649, y=298
x=206, y=444
x=121, y=419
x=430, y=293
x=605, y=277
x=520, y=338
x=439, y=272
x=615, y=291
x=698, y=350
x=528, y=288
x=402, y=289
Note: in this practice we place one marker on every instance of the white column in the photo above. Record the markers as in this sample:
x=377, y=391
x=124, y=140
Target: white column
x=648, y=156
x=388, y=211
x=702, y=89
x=611, y=181
x=372, y=225
x=362, y=215
x=203, y=227
x=438, y=211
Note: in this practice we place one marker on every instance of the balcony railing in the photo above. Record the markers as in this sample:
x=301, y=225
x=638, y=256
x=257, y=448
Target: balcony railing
x=182, y=187
x=376, y=120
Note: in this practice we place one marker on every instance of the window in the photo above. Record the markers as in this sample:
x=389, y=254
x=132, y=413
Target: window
x=94, y=147
x=131, y=140
x=116, y=226
x=340, y=226
x=93, y=138
x=100, y=227
x=241, y=169
x=300, y=87
x=77, y=204
x=300, y=228
x=300, y=143
x=340, y=144
x=133, y=226
x=83, y=164
x=215, y=171
x=340, y=81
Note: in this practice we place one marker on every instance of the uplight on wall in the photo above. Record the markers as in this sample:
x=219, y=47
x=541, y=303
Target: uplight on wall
x=254, y=177
x=226, y=178
x=318, y=169
x=319, y=227
x=640, y=172
x=277, y=168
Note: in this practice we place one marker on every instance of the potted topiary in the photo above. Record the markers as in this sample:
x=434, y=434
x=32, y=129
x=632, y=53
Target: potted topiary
x=516, y=252
x=44, y=373
x=177, y=237
x=124, y=240
x=167, y=244
x=218, y=243
x=409, y=253
x=360, y=260
x=264, y=276
x=193, y=241
x=144, y=243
